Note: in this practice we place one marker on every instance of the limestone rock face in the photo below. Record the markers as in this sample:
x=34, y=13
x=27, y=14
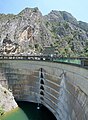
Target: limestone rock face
x=70, y=36
x=29, y=31
x=7, y=101
x=25, y=30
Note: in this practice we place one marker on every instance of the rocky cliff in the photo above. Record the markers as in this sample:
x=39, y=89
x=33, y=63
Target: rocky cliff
x=29, y=31
x=7, y=101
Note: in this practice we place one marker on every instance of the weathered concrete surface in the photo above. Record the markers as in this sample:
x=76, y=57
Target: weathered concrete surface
x=64, y=87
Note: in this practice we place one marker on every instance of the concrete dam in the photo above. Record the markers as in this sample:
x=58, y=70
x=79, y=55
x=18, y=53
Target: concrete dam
x=62, y=88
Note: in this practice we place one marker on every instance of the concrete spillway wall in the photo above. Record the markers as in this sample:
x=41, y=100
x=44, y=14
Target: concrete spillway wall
x=62, y=88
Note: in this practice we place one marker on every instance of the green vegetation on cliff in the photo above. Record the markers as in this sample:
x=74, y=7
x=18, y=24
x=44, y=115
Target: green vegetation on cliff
x=30, y=32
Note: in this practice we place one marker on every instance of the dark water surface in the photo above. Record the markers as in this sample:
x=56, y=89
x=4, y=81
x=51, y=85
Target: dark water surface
x=29, y=111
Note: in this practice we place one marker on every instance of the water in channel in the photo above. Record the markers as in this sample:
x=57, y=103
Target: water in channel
x=29, y=111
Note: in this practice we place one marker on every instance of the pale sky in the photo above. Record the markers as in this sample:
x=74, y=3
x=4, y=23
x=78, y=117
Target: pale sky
x=78, y=8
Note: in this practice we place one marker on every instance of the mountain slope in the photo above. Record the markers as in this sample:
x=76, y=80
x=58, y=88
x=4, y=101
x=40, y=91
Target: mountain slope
x=71, y=36
x=7, y=102
x=29, y=32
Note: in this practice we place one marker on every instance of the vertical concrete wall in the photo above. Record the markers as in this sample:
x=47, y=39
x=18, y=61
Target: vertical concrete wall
x=60, y=87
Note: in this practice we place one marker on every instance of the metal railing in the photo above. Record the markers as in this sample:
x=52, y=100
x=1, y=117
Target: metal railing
x=82, y=62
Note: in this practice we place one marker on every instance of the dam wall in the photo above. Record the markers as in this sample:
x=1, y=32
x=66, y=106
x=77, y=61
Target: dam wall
x=62, y=88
